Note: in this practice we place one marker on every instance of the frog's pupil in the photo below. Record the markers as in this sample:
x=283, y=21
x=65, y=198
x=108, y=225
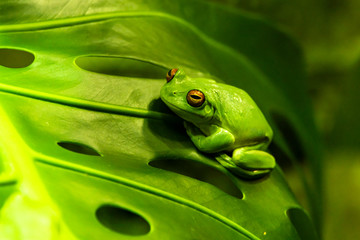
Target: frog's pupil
x=195, y=96
x=169, y=73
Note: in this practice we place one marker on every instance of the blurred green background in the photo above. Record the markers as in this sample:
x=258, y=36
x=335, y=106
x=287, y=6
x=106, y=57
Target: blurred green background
x=328, y=32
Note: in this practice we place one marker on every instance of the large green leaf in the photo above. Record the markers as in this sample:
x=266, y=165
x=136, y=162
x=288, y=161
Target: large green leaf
x=90, y=152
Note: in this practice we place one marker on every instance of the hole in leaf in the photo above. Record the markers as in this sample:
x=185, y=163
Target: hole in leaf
x=289, y=134
x=302, y=224
x=78, y=148
x=14, y=58
x=122, y=221
x=126, y=67
x=200, y=172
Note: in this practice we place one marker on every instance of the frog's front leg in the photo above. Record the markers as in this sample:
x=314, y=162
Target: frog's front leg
x=217, y=140
x=248, y=162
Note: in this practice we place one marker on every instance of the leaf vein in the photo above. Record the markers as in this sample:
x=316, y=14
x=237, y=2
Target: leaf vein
x=85, y=104
x=148, y=189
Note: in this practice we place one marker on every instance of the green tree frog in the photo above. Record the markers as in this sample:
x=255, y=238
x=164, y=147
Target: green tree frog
x=223, y=120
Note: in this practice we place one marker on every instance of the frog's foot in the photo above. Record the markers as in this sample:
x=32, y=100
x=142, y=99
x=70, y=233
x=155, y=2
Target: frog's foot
x=249, y=164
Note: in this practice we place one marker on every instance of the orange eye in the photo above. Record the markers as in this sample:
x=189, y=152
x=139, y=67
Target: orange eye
x=170, y=75
x=195, y=98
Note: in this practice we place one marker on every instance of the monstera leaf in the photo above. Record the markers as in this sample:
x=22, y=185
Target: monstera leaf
x=89, y=151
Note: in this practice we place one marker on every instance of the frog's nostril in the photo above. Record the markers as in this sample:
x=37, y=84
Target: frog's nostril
x=174, y=93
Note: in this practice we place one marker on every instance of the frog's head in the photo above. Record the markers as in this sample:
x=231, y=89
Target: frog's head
x=191, y=99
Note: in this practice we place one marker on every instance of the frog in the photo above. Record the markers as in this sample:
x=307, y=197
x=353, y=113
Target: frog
x=222, y=121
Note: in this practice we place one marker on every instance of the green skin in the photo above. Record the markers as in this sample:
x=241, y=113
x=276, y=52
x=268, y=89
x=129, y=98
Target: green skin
x=228, y=123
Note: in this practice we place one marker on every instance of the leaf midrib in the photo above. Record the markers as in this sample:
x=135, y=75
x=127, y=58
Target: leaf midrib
x=85, y=104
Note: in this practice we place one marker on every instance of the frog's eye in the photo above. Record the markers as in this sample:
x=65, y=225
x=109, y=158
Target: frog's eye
x=170, y=75
x=195, y=98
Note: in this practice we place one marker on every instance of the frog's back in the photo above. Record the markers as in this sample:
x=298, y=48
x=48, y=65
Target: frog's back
x=239, y=114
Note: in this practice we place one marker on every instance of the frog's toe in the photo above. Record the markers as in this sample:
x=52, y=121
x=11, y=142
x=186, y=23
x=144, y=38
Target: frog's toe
x=226, y=161
x=254, y=160
x=246, y=171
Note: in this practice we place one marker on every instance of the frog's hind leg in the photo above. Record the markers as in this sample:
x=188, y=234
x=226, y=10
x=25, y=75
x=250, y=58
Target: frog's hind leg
x=253, y=159
x=248, y=162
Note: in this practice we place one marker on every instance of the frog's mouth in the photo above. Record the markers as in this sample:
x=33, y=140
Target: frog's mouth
x=177, y=109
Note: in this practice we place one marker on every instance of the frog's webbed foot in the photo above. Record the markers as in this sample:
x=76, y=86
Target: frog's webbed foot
x=249, y=164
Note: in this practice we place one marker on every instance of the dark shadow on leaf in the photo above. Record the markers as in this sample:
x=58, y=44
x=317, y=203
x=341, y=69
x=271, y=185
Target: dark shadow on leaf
x=282, y=159
x=302, y=224
x=158, y=105
x=199, y=171
x=290, y=135
x=172, y=129
x=169, y=130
